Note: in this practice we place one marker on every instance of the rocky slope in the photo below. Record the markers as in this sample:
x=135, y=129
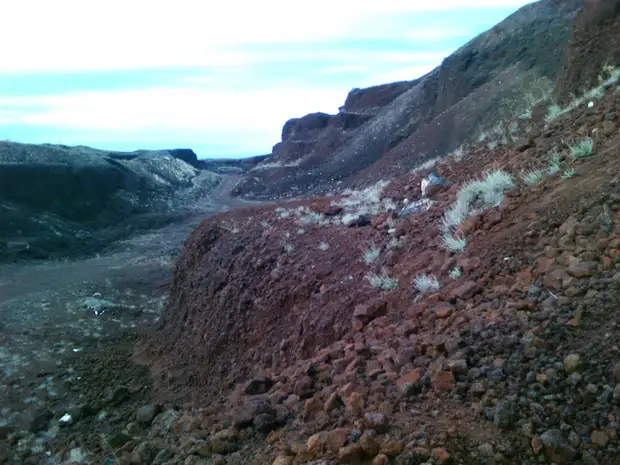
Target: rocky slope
x=58, y=201
x=406, y=323
x=473, y=324
x=595, y=43
x=278, y=327
x=386, y=130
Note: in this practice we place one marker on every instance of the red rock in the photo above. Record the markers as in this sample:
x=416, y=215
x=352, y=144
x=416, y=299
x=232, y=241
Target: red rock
x=444, y=312
x=355, y=402
x=413, y=377
x=336, y=439
x=316, y=444
x=443, y=381
x=311, y=407
x=493, y=217
x=376, y=420
x=378, y=221
x=381, y=459
x=467, y=227
x=334, y=401
x=392, y=447
x=351, y=454
x=464, y=291
x=545, y=264
x=441, y=456
x=580, y=269
x=403, y=227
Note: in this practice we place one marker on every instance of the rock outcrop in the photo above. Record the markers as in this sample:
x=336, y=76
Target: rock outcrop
x=387, y=129
x=595, y=43
x=338, y=330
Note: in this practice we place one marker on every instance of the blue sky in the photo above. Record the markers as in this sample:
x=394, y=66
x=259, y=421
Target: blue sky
x=219, y=77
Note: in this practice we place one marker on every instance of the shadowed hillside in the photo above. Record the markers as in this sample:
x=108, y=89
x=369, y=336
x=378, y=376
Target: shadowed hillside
x=389, y=129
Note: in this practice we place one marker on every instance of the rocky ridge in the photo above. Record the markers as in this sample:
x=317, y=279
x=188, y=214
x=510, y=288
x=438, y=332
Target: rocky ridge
x=385, y=130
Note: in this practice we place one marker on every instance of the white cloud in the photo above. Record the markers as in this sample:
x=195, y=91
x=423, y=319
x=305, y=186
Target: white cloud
x=170, y=109
x=70, y=35
x=220, y=101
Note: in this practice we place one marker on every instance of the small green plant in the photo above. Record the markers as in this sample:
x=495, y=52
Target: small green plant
x=382, y=281
x=307, y=217
x=454, y=244
x=596, y=93
x=553, y=112
x=395, y=243
x=371, y=254
x=554, y=162
x=458, y=154
x=324, y=246
x=477, y=194
x=282, y=213
x=455, y=273
x=532, y=177
x=230, y=226
x=569, y=173
x=427, y=165
x=425, y=283
x=391, y=223
x=606, y=219
x=582, y=149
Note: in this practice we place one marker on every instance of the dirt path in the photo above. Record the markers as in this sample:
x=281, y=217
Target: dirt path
x=56, y=319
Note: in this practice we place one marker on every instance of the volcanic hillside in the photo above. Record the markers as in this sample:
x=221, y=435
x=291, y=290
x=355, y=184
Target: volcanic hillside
x=384, y=131
x=463, y=312
x=473, y=322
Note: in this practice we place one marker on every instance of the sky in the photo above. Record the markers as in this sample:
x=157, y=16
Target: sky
x=220, y=77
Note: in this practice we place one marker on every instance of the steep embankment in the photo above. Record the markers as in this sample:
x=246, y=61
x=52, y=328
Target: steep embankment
x=386, y=130
x=513, y=340
x=595, y=43
x=478, y=328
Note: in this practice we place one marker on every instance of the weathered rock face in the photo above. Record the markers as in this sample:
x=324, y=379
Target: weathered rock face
x=186, y=155
x=372, y=98
x=594, y=44
x=302, y=128
x=526, y=37
x=53, y=197
x=390, y=128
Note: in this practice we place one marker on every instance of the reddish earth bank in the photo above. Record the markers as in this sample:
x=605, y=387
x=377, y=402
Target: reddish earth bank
x=346, y=330
x=514, y=359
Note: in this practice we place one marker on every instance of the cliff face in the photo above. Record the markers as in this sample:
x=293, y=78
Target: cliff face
x=393, y=127
x=595, y=43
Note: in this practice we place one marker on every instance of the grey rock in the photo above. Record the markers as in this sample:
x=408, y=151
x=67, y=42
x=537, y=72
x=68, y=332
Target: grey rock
x=558, y=449
x=146, y=413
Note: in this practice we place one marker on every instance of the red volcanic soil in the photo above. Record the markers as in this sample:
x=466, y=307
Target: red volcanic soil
x=274, y=328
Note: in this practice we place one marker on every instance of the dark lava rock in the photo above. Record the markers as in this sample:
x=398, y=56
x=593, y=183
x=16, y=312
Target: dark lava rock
x=40, y=420
x=146, y=413
x=258, y=386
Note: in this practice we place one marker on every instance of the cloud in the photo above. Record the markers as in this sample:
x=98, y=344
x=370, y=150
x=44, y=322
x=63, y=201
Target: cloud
x=217, y=76
x=73, y=35
x=187, y=115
